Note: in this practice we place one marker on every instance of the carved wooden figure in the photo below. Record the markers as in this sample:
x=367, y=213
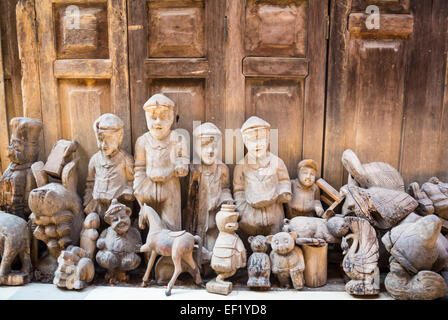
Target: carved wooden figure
x=229, y=253
x=261, y=182
x=118, y=244
x=17, y=180
x=305, y=192
x=15, y=239
x=161, y=158
x=418, y=252
x=110, y=176
x=209, y=186
x=178, y=245
x=287, y=259
x=56, y=207
x=259, y=264
x=361, y=258
x=432, y=197
x=75, y=269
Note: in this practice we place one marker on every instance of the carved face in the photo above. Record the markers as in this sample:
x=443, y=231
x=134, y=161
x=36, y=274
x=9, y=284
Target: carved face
x=109, y=142
x=307, y=176
x=256, y=142
x=207, y=148
x=159, y=121
x=283, y=242
x=258, y=244
x=17, y=151
x=120, y=222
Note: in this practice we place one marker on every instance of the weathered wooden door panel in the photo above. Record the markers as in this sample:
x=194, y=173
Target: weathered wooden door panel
x=176, y=48
x=280, y=46
x=83, y=70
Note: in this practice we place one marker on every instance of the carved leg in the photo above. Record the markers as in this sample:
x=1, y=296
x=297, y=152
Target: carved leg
x=197, y=274
x=220, y=278
x=149, y=267
x=5, y=266
x=26, y=262
x=177, y=271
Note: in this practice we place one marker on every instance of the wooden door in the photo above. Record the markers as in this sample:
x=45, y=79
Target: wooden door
x=176, y=48
x=275, y=63
x=83, y=67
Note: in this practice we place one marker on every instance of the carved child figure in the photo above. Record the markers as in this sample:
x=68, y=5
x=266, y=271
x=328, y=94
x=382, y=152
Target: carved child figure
x=110, y=176
x=161, y=158
x=209, y=185
x=229, y=253
x=17, y=181
x=118, y=244
x=261, y=182
x=305, y=193
x=287, y=259
x=259, y=264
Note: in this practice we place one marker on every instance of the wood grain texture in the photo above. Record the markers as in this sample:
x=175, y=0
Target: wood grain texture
x=4, y=141
x=386, y=6
x=176, y=68
x=275, y=67
x=391, y=26
x=83, y=68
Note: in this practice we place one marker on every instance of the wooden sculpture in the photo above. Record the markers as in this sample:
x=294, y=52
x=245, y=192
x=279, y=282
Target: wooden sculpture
x=229, y=253
x=75, y=269
x=261, y=183
x=110, y=176
x=287, y=259
x=175, y=244
x=418, y=252
x=432, y=197
x=15, y=239
x=209, y=186
x=56, y=207
x=18, y=180
x=259, y=264
x=118, y=244
x=361, y=258
x=161, y=157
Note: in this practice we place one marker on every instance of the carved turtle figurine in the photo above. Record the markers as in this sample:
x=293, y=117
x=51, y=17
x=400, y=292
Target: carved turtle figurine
x=374, y=174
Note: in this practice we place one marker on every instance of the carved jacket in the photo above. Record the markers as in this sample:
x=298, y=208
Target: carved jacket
x=229, y=251
x=304, y=200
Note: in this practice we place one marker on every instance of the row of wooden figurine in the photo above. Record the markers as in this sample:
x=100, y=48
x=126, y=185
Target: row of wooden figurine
x=375, y=191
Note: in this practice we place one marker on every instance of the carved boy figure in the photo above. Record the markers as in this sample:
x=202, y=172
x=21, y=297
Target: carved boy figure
x=17, y=181
x=287, y=259
x=209, y=185
x=110, y=176
x=161, y=157
x=305, y=193
x=118, y=244
x=261, y=182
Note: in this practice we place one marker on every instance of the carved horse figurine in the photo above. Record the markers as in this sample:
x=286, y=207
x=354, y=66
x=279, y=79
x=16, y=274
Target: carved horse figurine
x=175, y=244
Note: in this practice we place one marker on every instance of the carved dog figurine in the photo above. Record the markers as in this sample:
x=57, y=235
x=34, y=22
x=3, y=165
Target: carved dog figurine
x=14, y=241
x=259, y=264
x=175, y=244
x=287, y=259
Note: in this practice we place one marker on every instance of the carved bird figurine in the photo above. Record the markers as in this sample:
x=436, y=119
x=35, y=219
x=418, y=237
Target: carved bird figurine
x=361, y=258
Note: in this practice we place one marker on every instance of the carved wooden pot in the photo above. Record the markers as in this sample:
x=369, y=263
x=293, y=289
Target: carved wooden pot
x=315, y=265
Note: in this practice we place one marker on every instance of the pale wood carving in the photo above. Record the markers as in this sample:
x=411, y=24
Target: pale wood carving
x=259, y=264
x=118, y=244
x=315, y=273
x=161, y=157
x=15, y=239
x=261, y=182
x=432, y=197
x=418, y=251
x=17, y=180
x=229, y=253
x=178, y=245
x=75, y=269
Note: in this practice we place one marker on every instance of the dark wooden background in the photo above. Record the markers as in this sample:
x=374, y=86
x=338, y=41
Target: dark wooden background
x=382, y=93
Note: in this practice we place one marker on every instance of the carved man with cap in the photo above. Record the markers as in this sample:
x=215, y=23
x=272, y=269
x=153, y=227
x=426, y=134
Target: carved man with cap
x=261, y=182
x=18, y=180
x=305, y=193
x=209, y=185
x=161, y=157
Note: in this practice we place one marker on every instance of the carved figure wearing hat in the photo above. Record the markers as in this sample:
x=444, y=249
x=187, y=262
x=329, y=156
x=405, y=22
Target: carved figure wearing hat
x=110, y=176
x=261, y=182
x=18, y=180
x=161, y=158
x=209, y=185
x=305, y=192
x=118, y=244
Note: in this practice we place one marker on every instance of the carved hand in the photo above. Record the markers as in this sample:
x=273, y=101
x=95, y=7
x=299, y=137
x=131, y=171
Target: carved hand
x=181, y=171
x=285, y=197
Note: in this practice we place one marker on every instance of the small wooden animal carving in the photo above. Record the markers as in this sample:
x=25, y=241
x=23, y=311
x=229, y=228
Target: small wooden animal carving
x=175, y=244
x=432, y=197
x=287, y=259
x=75, y=269
x=418, y=252
x=361, y=258
x=14, y=242
x=118, y=244
x=259, y=263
